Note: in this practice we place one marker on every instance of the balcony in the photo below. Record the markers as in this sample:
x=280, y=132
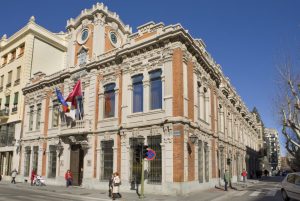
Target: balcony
x=77, y=126
x=4, y=113
x=8, y=85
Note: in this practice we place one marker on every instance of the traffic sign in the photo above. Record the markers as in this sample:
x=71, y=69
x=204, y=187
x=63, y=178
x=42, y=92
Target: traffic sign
x=151, y=154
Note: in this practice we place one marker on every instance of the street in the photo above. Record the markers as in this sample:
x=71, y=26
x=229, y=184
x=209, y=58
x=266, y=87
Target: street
x=266, y=190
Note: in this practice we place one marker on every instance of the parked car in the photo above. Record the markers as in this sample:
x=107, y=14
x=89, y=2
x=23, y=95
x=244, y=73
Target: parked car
x=290, y=187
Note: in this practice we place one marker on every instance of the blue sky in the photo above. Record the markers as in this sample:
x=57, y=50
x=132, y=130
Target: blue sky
x=246, y=37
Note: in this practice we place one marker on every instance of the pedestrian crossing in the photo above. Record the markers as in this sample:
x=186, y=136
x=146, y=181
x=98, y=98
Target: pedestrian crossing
x=268, y=192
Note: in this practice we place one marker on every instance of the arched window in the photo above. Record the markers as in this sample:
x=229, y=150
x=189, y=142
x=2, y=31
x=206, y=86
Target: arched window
x=155, y=90
x=137, y=99
x=109, y=100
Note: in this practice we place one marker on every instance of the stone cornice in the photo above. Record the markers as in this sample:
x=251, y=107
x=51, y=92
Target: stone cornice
x=38, y=31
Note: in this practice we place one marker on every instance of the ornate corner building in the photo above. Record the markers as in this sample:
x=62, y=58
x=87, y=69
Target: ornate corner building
x=158, y=87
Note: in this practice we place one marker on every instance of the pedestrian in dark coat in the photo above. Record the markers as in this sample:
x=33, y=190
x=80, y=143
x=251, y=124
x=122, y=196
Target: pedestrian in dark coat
x=13, y=176
x=226, y=179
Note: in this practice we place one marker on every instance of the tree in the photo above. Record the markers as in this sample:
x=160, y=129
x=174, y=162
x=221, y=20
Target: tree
x=289, y=106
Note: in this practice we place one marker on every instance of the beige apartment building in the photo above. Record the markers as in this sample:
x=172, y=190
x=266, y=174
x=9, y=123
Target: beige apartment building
x=28, y=51
x=158, y=86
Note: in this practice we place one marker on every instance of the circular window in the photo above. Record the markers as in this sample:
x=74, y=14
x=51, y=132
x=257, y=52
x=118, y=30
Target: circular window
x=83, y=36
x=113, y=38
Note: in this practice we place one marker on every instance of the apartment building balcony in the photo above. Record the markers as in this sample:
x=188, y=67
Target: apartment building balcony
x=4, y=114
x=17, y=82
x=77, y=126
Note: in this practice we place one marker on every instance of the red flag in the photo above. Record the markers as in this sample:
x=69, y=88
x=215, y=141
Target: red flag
x=75, y=92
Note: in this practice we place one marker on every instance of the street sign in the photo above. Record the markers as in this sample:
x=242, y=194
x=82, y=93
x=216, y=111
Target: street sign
x=151, y=154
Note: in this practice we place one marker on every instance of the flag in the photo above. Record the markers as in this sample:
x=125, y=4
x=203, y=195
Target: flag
x=61, y=99
x=75, y=92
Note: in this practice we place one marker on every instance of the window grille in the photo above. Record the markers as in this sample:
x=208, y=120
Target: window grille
x=9, y=163
x=107, y=159
x=135, y=166
x=35, y=158
x=155, y=166
x=109, y=100
x=200, y=161
x=52, y=161
x=137, y=103
x=206, y=154
x=155, y=90
x=27, y=161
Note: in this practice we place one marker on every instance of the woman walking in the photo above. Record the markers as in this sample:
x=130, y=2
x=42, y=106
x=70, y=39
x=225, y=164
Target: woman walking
x=116, y=185
x=68, y=178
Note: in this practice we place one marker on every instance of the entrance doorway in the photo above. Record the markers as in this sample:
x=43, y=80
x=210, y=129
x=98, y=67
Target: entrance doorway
x=76, y=164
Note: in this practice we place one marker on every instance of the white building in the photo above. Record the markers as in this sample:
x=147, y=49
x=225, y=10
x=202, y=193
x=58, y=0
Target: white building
x=23, y=54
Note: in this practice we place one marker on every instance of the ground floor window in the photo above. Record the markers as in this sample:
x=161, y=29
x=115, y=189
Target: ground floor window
x=200, y=161
x=35, y=157
x=107, y=159
x=155, y=166
x=9, y=163
x=52, y=161
x=206, y=155
x=27, y=161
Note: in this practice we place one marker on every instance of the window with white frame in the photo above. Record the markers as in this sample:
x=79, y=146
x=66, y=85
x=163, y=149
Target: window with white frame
x=31, y=112
x=35, y=157
x=221, y=118
x=155, y=89
x=38, y=116
x=137, y=93
x=27, y=161
x=109, y=100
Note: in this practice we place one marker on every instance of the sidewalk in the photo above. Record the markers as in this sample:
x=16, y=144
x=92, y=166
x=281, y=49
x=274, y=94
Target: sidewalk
x=88, y=193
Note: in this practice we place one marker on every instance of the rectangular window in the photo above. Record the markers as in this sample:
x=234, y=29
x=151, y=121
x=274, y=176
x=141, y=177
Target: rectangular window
x=200, y=161
x=16, y=99
x=27, y=161
x=2, y=81
x=38, y=116
x=22, y=48
x=52, y=162
x=13, y=55
x=7, y=101
x=137, y=103
x=155, y=90
x=55, y=114
x=4, y=60
x=9, y=78
x=109, y=100
x=17, y=81
x=35, y=157
x=107, y=159
x=155, y=165
x=206, y=155
x=31, y=110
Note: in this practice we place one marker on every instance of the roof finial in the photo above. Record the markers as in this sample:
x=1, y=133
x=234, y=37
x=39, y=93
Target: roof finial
x=32, y=19
x=4, y=37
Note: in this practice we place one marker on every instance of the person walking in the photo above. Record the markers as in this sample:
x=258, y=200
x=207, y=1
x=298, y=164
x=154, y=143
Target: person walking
x=68, y=178
x=244, y=175
x=33, y=175
x=116, y=186
x=13, y=176
x=226, y=179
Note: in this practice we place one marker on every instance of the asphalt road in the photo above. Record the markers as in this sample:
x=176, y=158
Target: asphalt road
x=266, y=190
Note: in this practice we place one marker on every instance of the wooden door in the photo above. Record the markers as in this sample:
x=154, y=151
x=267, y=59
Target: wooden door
x=76, y=164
